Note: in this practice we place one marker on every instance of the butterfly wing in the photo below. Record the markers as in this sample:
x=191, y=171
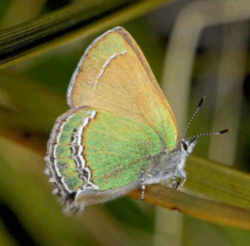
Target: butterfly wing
x=94, y=150
x=118, y=149
x=114, y=76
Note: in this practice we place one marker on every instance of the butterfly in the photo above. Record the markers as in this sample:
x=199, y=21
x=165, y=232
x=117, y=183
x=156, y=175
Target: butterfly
x=120, y=133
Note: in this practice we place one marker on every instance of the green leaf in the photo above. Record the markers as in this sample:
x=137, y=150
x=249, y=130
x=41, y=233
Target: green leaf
x=218, y=182
x=76, y=21
x=208, y=210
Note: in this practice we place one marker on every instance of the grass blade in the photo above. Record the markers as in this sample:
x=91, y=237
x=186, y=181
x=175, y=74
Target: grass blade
x=70, y=23
x=211, y=211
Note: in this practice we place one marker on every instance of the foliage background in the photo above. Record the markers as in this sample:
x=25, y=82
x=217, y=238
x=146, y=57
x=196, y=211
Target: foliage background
x=34, y=77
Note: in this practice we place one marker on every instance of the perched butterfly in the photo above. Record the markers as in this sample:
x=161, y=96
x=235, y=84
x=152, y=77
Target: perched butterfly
x=120, y=132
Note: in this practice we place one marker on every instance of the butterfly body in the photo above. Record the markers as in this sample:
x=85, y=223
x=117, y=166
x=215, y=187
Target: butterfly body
x=120, y=132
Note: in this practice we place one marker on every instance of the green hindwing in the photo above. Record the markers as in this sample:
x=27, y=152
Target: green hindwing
x=88, y=148
x=118, y=149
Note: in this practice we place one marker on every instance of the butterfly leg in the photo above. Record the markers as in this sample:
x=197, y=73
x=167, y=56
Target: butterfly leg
x=143, y=188
x=149, y=178
x=146, y=179
x=143, y=185
x=179, y=179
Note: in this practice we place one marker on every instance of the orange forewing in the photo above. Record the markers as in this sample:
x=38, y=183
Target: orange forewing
x=114, y=76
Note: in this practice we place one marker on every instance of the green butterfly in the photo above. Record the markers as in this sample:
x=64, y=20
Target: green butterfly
x=120, y=132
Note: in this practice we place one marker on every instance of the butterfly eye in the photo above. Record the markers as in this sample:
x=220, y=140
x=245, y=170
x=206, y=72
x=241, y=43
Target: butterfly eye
x=185, y=147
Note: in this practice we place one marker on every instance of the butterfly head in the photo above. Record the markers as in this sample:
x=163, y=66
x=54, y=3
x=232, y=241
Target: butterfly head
x=171, y=169
x=177, y=157
x=173, y=162
x=187, y=145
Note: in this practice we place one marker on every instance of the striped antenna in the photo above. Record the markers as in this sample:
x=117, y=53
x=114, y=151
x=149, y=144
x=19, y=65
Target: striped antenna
x=213, y=133
x=210, y=134
x=196, y=111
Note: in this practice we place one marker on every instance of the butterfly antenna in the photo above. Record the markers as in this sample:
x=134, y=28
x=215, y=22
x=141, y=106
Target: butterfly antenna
x=211, y=133
x=196, y=111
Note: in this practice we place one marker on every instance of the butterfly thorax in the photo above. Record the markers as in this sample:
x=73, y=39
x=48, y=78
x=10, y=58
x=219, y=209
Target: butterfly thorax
x=169, y=166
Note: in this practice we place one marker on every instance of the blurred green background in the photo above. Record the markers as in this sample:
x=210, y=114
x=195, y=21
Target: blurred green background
x=196, y=48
